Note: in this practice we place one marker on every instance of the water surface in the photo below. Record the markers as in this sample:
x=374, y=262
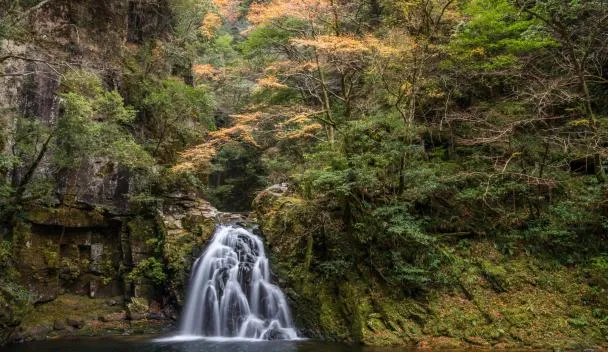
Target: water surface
x=146, y=344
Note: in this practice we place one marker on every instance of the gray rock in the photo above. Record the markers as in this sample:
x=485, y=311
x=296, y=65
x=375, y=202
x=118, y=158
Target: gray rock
x=77, y=324
x=96, y=258
x=38, y=332
x=156, y=316
x=59, y=325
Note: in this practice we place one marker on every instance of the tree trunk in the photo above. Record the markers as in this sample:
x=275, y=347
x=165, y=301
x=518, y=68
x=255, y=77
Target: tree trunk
x=599, y=168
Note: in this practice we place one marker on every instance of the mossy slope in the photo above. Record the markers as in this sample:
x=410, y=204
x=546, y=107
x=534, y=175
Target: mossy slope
x=493, y=299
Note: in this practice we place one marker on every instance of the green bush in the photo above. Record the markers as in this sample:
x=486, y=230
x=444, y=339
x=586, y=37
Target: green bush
x=149, y=269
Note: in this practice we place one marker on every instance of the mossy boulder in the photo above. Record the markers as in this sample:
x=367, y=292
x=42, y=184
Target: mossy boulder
x=187, y=225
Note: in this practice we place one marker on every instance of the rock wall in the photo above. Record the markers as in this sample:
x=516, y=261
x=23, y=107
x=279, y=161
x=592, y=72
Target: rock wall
x=84, y=260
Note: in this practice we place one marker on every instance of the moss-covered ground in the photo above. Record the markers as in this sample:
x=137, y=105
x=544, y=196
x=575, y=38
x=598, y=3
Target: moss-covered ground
x=42, y=321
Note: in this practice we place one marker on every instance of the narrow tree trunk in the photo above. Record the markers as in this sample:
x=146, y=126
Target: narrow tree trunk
x=599, y=168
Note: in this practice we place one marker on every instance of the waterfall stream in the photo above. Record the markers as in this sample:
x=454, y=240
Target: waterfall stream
x=230, y=293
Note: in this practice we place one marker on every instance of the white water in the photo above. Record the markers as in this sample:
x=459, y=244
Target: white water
x=230, y=294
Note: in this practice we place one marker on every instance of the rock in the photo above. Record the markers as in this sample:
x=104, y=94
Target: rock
x=96, y=258
x=116, y=301
x=45, y=298
x=38, y=332
x=113, y=317
x=278, y=190
x=170, y=313
x=137, y=316
x=156, y=316
x=154, y=307
x=65, y=216
x=59, y=325
x=17, y=337
x=276, y=334
x=93, y=289
x=77, y=324
x=476, y=340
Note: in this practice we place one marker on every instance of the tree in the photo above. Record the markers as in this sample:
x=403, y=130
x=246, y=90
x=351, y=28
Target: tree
x=94, y=123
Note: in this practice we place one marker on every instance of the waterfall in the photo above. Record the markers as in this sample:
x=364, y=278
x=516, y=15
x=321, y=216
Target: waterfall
x=230, y=293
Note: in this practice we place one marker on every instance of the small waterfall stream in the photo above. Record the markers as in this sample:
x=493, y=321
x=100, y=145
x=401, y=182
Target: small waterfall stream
x=230, y=293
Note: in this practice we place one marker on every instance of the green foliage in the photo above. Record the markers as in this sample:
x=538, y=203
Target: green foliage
x=236, y=173
x=138, y=305
x=7, y=269
x=95, y=123
x=263, y=38
x=149, y=269
x=496, y=35
x=175, y=115
x=334, y=269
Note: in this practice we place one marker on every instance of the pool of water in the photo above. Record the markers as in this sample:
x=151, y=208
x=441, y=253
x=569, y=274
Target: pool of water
x=147, y=344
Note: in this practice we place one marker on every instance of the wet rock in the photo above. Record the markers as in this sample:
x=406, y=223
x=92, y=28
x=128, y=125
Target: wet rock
x=17, y=337
x=59, y=325
x=275, y=335
x=77, y=324
x=118, y=301
x=170, y=313
x=156, y=316
x=45, y=298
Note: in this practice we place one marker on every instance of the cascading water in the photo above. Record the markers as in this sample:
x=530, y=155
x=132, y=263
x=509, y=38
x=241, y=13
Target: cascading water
x=230, y=293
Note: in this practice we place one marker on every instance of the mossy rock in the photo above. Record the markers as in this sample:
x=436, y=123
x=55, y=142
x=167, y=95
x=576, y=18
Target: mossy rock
x=65, y=216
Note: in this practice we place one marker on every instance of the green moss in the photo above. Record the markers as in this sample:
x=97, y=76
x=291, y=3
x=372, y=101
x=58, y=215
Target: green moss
x=65, y=216
x=68, y=307
x=70, y=269
x=179, y=250
x=50, y=253
x=496, y=275
x=331, y=321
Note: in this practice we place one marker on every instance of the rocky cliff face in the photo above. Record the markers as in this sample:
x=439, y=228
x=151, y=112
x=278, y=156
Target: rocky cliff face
x=66, y=35
x=79, y=248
